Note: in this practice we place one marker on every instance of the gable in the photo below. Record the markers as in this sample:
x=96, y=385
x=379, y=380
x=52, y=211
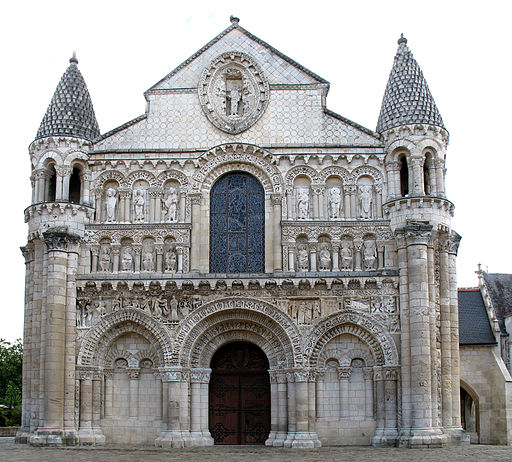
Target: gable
x=277, y=67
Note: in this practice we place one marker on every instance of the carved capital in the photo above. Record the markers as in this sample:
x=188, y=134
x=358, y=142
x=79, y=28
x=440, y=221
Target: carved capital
x=368, y=373
x=171, y=375
x=200, y=375
x=276, y=198
x=195, y=198
x=344, y=373
x=63, y=170
x=390, y=373
x=417, y=161
x=301, y=375
x=454, y=242
x=133, y=372
x=28, y=253
x=393, y=166
x=60, y=240
x=415, y=232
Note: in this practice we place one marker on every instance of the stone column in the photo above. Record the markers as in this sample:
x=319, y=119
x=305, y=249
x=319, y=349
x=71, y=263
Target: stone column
x=416, y=164
x=179, y=251
x=358, y=257
x=303, y=437
x=439, y=166
x=390, y=405
x=368, y=391
x=116, y=250
x=381, y=264
x=85, y=180
x=200, y=434
x=152, y=204
x=344, y=378
x=291, y=258
x=346, y=202
x=159, y=249
x=282, y=409
x=85, y=431
x=133, y=374
x=123, y=207
x=393, y=171
x=158, y=194
x=182, y=216
x=108, y=374
x=417, y=235
x=380, y=417
x=353, y=201
x=96, y=407
x=53, y=349
x=274, y=409
x=137, y=250
x=457, y=434
x=185, y=408
x=95, y=251
x=195, y=257
x=320, y=394
x=277, y=200
x=335, y=255
x=172, y=436
x=312, y=256
x=289, y=204
x=378, y=200
x=290, y=406
x=62, y=189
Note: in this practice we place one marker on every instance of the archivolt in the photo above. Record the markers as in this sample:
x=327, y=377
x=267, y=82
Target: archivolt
x=100, y=337
x=355, y=323
x=237, y=318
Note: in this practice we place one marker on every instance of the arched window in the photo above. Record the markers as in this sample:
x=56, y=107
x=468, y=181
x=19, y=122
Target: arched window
x=52, y=185
x=237, y=225
x=75, y=186
x=404, y=177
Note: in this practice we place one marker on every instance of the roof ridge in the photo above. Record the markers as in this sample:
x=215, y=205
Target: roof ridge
x=226, y=31
x=120, y=127
x=351, y=122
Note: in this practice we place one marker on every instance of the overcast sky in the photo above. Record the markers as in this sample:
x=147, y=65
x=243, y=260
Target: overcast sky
x=124, y=47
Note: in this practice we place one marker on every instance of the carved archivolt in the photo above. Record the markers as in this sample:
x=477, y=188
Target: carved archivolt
x=98, y=340
x=303, y=170
x=367, y=171
x=180, y=235
x=334, y=171
x=261, y=318
x=355, y=323
x=172, y=175
x=228, y=158
x=110, y=175
x=141, y=175
x=344, y=357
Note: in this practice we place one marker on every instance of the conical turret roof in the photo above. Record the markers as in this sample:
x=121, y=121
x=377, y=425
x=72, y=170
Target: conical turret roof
x=70, y=112
x=407, y=99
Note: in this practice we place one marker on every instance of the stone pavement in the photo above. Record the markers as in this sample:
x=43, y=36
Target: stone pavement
x=21, y=453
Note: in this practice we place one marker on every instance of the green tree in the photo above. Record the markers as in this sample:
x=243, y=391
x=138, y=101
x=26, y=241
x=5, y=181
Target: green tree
x=11, y=359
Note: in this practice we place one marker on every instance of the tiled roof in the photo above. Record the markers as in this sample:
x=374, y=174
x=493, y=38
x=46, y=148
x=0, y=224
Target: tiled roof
x=70, y=112
x=499, y=287
x=474, y=326
x=407, y=99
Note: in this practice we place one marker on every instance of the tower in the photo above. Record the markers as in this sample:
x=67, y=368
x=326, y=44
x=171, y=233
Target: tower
x=56, y=218
x=415, y=141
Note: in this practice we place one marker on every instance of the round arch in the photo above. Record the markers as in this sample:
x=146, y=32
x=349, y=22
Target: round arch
x=361, y=326
x=96, y=343
x=231, y=319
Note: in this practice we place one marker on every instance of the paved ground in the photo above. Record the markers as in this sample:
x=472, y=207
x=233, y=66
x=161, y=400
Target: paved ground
x=10, y=452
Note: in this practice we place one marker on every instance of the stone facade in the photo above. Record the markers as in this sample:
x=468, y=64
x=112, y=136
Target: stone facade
x=238, y=208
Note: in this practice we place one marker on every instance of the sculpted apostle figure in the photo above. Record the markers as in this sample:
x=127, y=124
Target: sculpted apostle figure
x=111, y=205
x=302, y=204
x=170, y=261
x=171, y=205
x=138, y=205
x=334, y=203
x=365, y=201
x=346, y=258
x=127, y=260
x=303, y=259
x=174, y=309
x=369, y=255
x=147, y=260
x=325, y=258
x=105, y=259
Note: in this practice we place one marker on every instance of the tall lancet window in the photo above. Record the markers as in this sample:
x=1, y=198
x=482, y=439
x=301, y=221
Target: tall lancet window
x=237, y=225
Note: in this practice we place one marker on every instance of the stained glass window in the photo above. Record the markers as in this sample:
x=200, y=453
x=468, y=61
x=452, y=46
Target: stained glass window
x=237, y=225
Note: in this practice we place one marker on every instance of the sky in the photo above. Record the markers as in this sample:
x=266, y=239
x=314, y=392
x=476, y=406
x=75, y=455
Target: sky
x=124, y=47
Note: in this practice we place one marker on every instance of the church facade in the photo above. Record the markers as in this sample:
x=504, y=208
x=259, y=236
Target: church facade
x=240, y=264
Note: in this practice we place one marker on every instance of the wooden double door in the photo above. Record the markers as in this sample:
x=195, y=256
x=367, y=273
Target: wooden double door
x=239, y=397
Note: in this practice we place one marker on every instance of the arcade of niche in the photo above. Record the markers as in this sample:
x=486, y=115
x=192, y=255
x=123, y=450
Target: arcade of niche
x=240, y=264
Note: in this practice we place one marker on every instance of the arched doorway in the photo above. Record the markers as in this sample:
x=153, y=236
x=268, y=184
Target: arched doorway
x=239, y=395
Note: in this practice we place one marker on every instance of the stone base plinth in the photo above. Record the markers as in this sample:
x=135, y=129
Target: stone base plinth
x=90, y=437
x=304, y=440
x=53, y=437
x=456, y=436
x=200, y=439
x=385, y=438
x=170, y=439
x=423, y=438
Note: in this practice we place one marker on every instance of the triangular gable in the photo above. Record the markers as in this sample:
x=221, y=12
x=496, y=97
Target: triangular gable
x=278, y=68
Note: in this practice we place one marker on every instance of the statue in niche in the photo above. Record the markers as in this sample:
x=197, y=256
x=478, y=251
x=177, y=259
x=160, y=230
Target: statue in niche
x=369, y=255
x=302, y=204
x=325, y=258
x=105, y=258
x=138, y=205
x=148, y=260
x=171, y=261
x=346, y=258
x=171, y=205
x=365, y=201
x=173, y=304
x=317, y=313
x=86, y=314
x=334, y=203
x=303, y=258
x=127, y=260
x=304, y=313
x=111, y=205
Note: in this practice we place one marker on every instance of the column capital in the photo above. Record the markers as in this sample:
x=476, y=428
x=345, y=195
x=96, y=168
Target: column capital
x=133, y=372
x=63, y=170
x=368, y=373
x=415, y=232
x=390, y=372
x=200, y=375
x=28, y=253
x=174, y=374
x=453, y=243
x=276, y=198
x=56, y=239
x=195, y=198
x=344, y=373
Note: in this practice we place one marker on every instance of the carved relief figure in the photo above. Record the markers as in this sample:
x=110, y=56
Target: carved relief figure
x=346, y=257
x=325, y=258
x=171, y=205
x=174, y=309
x=139, y=205
x=334, y=203
x=111, y=205
x=302, y=204
x=148, y=260
x=365, y=201
x=105, y=258
x=170, y=261
x=303, y=259
x=127, y=260
x=370, y=255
